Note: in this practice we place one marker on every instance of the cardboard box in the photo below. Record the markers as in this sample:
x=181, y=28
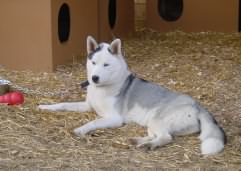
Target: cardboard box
x=196, y=15
x=38, y=35
x=117, y=17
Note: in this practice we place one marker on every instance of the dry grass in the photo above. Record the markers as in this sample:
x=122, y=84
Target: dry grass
x=204, y=65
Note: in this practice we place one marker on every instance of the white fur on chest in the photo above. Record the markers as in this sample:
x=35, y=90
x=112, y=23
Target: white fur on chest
x=102, y=103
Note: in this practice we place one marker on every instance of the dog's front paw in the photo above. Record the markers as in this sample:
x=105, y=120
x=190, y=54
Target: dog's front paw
x=147, y=146
x=47, y=107
x=80, y=132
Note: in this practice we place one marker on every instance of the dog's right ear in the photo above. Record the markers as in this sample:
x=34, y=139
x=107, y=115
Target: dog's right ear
x=91, y=44
x=115, y=47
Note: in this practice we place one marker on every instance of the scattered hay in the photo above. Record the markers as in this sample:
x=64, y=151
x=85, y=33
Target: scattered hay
x=204, y=65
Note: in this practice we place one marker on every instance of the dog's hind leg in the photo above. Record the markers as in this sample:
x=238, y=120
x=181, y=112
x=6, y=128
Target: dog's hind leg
x=72, y=106
x=158, y=141
x=160, y=136
x=141, y=140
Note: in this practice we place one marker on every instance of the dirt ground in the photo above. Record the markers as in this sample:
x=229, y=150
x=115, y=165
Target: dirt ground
x=206, y=66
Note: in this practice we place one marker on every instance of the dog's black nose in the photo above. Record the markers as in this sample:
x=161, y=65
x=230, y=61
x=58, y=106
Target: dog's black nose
x=95, y=78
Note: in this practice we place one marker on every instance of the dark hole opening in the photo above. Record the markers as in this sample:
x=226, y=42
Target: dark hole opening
x=170, y=10
x=112, y=13
x=64, y=23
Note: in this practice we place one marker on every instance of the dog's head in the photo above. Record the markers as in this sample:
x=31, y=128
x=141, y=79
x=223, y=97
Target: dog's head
x=105, y=63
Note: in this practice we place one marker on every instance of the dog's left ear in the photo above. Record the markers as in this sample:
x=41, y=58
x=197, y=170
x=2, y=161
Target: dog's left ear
x=115, y=47
x=91, y=44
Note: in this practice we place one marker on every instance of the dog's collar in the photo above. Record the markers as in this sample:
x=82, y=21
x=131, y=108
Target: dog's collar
x=126, y=85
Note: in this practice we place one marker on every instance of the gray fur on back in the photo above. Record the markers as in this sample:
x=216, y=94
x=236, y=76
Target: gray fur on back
x=145, y=94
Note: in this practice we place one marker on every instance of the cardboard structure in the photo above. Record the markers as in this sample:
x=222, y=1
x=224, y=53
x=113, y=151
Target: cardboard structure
x=116, y=18
x=38, y=35
x=194, y=15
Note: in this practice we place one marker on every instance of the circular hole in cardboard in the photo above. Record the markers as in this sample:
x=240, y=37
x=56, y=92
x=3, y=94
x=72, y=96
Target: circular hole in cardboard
x=170, y=10
x=112, y=13
x=64, y=23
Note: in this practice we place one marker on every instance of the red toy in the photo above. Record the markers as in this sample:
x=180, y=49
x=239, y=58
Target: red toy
x=13, y=98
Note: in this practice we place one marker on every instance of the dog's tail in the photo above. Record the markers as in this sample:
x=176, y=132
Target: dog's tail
x=212, y=135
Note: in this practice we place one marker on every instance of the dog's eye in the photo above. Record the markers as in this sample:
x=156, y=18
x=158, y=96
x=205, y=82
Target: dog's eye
x=93, y=63
x=106, y=65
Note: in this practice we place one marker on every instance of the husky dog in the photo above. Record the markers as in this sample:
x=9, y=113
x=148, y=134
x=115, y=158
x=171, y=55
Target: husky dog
x=119, y=97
